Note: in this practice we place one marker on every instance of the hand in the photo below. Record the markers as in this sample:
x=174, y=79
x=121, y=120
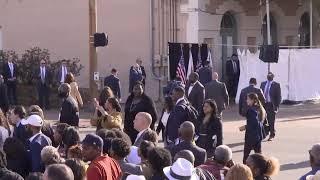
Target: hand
x=95, y=103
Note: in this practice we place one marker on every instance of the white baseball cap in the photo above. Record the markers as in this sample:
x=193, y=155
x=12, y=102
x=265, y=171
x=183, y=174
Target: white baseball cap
x=135, y=177
x=33, y=120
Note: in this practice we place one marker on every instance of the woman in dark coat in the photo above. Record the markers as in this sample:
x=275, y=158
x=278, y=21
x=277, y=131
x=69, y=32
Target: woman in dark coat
x=167, y=108
x=254, y=128
x=137, y=102
x=209, y=129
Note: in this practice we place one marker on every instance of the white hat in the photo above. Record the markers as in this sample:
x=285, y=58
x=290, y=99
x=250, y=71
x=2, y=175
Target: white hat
x=135, y=177
x=33, y=120
x=314, y=177
x=181, y=169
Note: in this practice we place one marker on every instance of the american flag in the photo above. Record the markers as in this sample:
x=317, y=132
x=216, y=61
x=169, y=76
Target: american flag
x=199, y=62
x=181, y=70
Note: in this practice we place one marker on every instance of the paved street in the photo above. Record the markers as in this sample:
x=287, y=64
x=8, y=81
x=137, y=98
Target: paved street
x=297, y=129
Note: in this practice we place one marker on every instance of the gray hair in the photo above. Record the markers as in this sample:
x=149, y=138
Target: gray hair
x=59, y=171
x=223, y=154
x=64, y=88
x=50, y=155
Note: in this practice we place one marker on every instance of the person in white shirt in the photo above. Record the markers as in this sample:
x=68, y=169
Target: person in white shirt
x=168, y=106
x=142, y=123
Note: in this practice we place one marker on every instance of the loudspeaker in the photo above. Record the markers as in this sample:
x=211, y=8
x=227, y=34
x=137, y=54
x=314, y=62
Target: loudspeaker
x=269, y=53
x=100, y=39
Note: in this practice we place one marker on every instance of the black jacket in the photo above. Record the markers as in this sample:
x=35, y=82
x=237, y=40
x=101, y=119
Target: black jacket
x=230, y=70
x=4, y=104
x=218, y=92
x=21, y=133
x=196, y=96
x=114, y=83
x=254, y=128
x=48, y=76
x=243, y=107
x=69, y=112
x=275, y=94
x=205, y=75
x=7, y=72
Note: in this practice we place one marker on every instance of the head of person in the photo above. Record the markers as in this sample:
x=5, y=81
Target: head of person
x=107, y=136
x=210, y=107
x=1, y=79
x=270, y=76
x=58, y=132
x=239, y=172
x=144, y=149
x=193, y=77
x=185, y=154
x=187, y=131
x=69, y=78
x=158, y=159
x=253, y=101
x=261, y=165
x=314, y=155
x=223, y=154
x=50, y=155
x=151, y=136
x=92, y=146
x=64, y=90
x=168, y=104
x=58, y=172
x=119, y=149
x=105, y=94
x=180, y=169
x=114, y=71
x=215, y=76
x=122, y=135
x=70, y=137
x=142, y=121
x=234, y=57
x=64, y=63
x=18, y=113
x=177, y=93
x=136, y=66
x=253, y=81
x=137, y=90
x=75, y=151
x=3, y=120
x=35, y=109
x=42, y=63
x=10, y=58
x=78, y=168
x=14, y=148
x=139, y=61
x=112, y=104
x=33, y=123
x=35, y=176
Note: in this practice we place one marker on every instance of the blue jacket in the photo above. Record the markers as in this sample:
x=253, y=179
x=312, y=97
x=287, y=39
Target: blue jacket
x=254, y=127
x=134, y=77
x=20, y=133
x=114, y=83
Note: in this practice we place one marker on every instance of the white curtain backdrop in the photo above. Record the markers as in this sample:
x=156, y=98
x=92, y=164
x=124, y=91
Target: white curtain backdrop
x=296, y=72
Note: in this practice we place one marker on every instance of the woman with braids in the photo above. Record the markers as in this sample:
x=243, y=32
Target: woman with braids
x=254, y=135
x=263, y=167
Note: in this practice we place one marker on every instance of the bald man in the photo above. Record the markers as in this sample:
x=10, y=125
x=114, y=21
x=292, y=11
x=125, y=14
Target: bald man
x=43, y=77
x=187, y=132
x=141, y=123
x=217, y=91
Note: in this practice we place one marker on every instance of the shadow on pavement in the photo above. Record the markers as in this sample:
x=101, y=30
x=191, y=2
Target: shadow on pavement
x=235, y=144
x=292, y=166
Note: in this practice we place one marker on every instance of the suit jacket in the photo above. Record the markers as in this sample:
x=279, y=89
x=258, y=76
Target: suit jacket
x=129, y=168
x=178, y=115
x=4, y=103
x=114, y=83
x=35, y=147
x=69, y=112
x=199, y=153
x=21, y=133
x=217, y=91
x=275, y=94
x=48, y=77
x=143, y=74
x=196, y=96
x=230, y=70
x=243, y=107
x=141, y=138
x=205, y=75
x=7, y=73
x=134, y=77
x=59, y=74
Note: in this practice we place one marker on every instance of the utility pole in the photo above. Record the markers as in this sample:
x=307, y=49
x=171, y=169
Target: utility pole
x=311, y=23
x=92, y=50
x=268, y=27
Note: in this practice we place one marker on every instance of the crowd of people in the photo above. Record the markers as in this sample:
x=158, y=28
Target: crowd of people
x=126, y=142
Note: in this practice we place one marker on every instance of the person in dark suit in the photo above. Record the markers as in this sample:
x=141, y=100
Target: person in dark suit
x=187, y=132
x=272, y=93
x=43, y=79
x=217, y=91
x=16, y=117
x=243, y=107
x=10, y=73
x=113, y=82
x=195, y=91
x=62, y=72
x=254, y=127
x=141, y=123
x=69, y=112
x=205, y=73
x=36, y=143
x=178, y=115
x=135, y=76
x=163, y=121
x=167, y=91
x=4, y=103
x=233, y=74
x=144, y=75
x=137, y=102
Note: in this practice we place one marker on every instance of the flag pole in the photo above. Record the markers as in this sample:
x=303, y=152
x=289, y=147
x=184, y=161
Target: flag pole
x=268, y=27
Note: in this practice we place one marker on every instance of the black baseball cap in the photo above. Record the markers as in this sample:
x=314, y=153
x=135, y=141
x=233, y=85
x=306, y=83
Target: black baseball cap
x=93, y=140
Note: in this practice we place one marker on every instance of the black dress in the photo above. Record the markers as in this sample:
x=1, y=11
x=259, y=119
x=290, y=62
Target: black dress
x=206, y=132
x=146, y=104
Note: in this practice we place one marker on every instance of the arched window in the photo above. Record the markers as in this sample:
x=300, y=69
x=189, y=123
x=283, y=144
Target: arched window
x=304, y=30
x=273, y=30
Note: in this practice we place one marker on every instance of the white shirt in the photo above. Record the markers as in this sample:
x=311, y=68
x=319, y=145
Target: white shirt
x=139, y=134
x=11, y=68
x=64, y=72
x=190, y=89
x=179, y=100
x=165, y=118
x=235, y=68
x=267, y=90
x=34, y=136
x=43, y=73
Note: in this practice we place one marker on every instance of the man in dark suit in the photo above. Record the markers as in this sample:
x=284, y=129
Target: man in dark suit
x=113, y=82
x=36, y=143
x=135, y=76
x=141, y=123
x=205, y=73
x=10, y=78
x=195, y=92
x=272, y=93
x=16, y=117
x=187, y=132
x=69, y=112
x=62, y=72
x=243, y=106
x=4, y=104
x=144, y=75
x=217, y=91
x=178, y=115
x=43, y=79
x=233, y=74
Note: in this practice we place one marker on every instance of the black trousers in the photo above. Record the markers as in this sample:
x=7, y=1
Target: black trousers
x=43, y=96
x=271, y=116
x=233, y=85
x=12, y=92
x=247, y=149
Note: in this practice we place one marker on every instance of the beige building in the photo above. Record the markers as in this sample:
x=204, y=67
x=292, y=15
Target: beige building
x=142, y=28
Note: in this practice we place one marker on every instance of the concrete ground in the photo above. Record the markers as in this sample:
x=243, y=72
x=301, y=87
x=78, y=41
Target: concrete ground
x=297, y=130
